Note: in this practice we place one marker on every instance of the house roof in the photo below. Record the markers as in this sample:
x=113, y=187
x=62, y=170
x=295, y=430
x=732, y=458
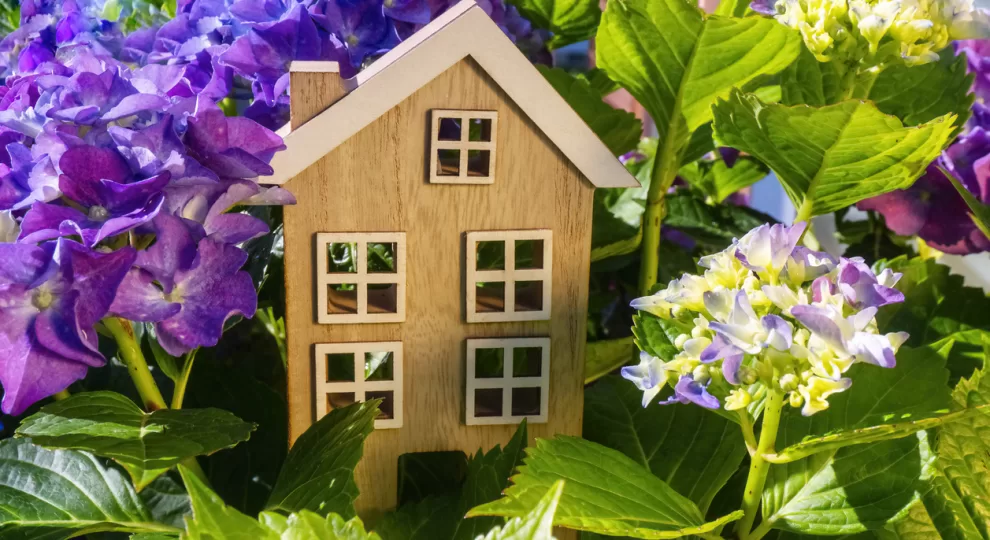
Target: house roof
x=464, y=30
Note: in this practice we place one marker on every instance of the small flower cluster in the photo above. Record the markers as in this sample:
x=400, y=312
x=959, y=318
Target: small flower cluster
x=768, y=314
x=873, y=33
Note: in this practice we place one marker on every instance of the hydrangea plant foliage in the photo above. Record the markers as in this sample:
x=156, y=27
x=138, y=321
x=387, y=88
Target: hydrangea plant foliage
x=770, y=389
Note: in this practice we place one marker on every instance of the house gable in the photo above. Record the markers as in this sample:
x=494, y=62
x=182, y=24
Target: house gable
x=464, y=31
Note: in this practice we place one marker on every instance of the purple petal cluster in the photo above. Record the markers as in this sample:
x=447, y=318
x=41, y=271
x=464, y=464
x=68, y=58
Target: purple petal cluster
x=121, y=189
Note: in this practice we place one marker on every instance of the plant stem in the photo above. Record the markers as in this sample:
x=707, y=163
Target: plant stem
x=664, y=172
x=760, y=531
x=137, y=366
x=746, y=425
x=179, y=394
x=759, y=467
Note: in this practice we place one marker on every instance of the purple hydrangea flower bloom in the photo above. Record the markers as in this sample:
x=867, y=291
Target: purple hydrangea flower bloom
x=766, y=249
x=157, y=149
x=410, y=11
x=96, y=179
x=187, y=285
x=234, y=147
x=362, y=26
x=763, y=7
x=89, y=98
x=52, y=296
x=845, y=337
x=26, y=181
x=978, y=60
x=649, y=376
x=739, y=331
x=687, y=390
x=862, y=288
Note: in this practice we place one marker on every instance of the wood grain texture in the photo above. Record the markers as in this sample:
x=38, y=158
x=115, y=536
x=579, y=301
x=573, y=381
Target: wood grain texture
x=312, y=92
x=377, y=181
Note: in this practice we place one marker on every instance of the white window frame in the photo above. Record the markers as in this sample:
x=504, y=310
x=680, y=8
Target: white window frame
x=359, y=386
x=362, y=278
x=463, y=145
x=508, y=275
x=507, y=382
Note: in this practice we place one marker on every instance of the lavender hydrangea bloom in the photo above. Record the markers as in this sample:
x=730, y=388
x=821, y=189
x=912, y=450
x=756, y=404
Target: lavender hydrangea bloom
x=187, y=285
x=766, y=249
x=24, y=180
x=52, y=296
x=649, y=376
x=862, y=288
x=687, y=390
x=234, y=147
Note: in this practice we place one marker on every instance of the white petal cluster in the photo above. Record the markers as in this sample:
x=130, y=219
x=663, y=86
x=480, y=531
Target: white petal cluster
x=767, y=314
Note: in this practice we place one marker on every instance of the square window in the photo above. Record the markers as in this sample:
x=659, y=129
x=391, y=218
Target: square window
x=488, y=402
x=509, y=276
x=339, y=400
x=490, y=255
x=360, y=278
x=490, y=297
x=448, y=162
x=527, y=361
x=480, y=130
x=387, y=406
x=341, y=258
x=524, y=381
x=529, y=254
x=450, y=129
x=478, y=162
x=489, y=363
x=377, y=374
x=462, y=147
x=340, y=367
x=378, y=366
x=526, y=401
x=381, y=257
x=342, y=298
x=529, y=295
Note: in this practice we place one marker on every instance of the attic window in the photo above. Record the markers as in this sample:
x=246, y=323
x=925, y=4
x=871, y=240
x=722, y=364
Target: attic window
x=462, y=147
x=349, y=373
x=360, y=277
x=509, y=275
x=508, y=379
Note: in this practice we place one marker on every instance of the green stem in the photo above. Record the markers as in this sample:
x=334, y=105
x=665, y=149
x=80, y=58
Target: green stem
x=746, y=425
x=664, y=172
x=758, y=466
x=137, y=366
x=179, y=394
x=760, y=531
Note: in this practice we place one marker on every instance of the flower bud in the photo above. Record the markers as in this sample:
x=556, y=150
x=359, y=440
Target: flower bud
x=680, y=340
x=795, y=399
x=738, y=399
x=789, y=382
x=801, y=336
x=697, y=332
x=700, y=374
x=747, y=375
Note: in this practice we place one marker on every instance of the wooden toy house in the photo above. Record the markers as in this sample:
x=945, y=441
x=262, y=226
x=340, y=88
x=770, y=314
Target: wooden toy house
x=438, y=255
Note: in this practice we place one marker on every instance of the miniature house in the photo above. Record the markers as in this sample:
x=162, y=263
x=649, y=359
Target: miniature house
x=438, y=255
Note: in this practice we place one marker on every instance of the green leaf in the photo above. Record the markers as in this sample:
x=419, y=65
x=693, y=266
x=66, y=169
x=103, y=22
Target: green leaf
x=677, y=61
x=109, y=424
x=713, y=227
x=728, y=180
x=56, y=494
x=694, y=451
x=603, y=357
x=536, y=525
x=655, y=336
x=607, y=493
x=619, y=130
x=830, y=157
x=939, y=514
x=318, y=473
x=443, y=516
x=569, y=20
x=854, y=489
x=964, y=457
x=915, y=94
x=978, y=212
x=166, y=500
x=307, y=525
x=599, y=81
x=883, y=403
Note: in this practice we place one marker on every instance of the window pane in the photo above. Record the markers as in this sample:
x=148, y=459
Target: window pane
x=378, y=366
x=525, y=401
x=450, y=129
x=383, y=298
x=479, y=162
x=386, y=409
x=490, y=255
x=341, y=258
x=342, y=298
x=487, y=402
x=480, y=129
x=529, y=254
x=490, y=297
x=340, y=367
x=527, y=361
x=337, y=400
x=488, y=363
x=529, y=295
x=381, y=258
x=448, y=162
